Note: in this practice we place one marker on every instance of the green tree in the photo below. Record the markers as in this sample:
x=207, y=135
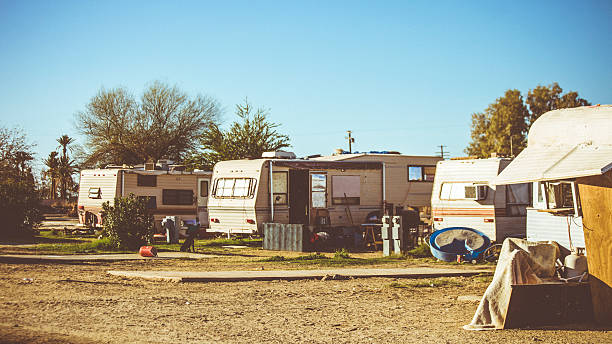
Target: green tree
x=66, y=167
x=128, y=223
x=19, y=199
x=247, y=137
x=164, y=123
x=502, y=127
x=546, y=98
x=52, y=173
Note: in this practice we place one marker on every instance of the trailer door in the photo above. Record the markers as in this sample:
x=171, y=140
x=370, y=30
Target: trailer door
x=298, y=196
x=203, y=192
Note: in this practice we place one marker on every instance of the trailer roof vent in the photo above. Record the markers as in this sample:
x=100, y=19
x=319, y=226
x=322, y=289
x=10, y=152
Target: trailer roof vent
x=278, y=155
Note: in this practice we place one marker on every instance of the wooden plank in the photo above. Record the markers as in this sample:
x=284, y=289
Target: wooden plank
x=596, y=201
x=548, y=304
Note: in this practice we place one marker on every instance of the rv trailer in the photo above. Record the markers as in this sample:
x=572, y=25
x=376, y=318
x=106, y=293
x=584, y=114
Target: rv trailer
x=462, y=197
x=569, y=161
x=170, y=192
x=336, y=191
x=565, y=147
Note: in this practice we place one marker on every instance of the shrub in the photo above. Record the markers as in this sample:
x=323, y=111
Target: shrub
x=421, y=251
x=342, y=254
x=128, y=223
x=19, y=206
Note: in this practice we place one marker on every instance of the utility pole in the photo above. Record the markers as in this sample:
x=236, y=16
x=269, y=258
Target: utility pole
x=350, y=140
x=443, y=154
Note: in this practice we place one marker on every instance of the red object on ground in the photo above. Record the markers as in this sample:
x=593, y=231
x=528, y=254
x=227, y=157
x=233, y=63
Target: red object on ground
x=148, y=251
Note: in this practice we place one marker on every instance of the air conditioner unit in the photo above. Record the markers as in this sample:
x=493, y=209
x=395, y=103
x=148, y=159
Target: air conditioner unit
x=278, y=155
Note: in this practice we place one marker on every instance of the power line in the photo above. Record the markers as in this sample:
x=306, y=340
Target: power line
x=442, y=153
x=350, y=140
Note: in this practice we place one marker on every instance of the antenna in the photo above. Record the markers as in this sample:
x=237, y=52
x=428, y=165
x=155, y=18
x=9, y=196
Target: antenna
x=350, y=140
x=442, y=153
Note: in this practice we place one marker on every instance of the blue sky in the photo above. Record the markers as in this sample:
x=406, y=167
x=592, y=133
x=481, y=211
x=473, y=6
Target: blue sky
x=402, y=75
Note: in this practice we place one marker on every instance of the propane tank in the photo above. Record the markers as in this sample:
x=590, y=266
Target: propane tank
x=575, y=264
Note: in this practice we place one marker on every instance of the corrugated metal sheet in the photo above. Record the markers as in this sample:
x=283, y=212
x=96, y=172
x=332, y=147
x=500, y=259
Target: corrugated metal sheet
x=543, y=226
x=284, y=237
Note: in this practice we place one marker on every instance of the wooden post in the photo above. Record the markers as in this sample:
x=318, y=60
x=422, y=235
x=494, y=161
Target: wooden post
x=596, y=201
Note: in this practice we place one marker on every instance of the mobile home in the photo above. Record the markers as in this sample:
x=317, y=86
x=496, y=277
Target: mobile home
x=569, y=161
x=339, y=191
x=462, y=197
x=564, y=146
x=170, y=192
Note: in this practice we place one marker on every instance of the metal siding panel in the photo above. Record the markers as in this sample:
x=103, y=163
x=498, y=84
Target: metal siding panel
x=544, y=227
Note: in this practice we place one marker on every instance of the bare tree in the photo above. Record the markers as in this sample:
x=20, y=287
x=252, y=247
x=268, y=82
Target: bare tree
x=164, y=123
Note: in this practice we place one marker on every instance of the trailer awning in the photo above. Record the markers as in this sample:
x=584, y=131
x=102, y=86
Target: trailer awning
x=541, y=163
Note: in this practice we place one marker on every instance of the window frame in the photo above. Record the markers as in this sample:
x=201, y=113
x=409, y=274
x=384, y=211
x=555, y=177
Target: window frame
x=278, y=196
x=204, y=189
x=478, y=194
x=314, y=191
x=144, y=180
x=97, y=193
x=348, y=200
x=151, y=201
x=423, y=178
x=250, y=189
x=166, y=192
x=575, y=196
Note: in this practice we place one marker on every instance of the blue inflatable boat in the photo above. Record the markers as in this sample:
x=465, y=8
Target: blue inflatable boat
x=448, y=243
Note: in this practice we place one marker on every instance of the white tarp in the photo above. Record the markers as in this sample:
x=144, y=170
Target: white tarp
x=520, y=262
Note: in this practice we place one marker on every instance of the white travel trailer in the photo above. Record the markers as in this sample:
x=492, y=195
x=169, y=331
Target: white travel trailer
x=171, y=192
x=462, y=197
x=338, y=191
x=564, y=148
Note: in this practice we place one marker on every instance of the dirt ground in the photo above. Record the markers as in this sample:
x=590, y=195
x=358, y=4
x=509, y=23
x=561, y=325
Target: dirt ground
x=80, y=303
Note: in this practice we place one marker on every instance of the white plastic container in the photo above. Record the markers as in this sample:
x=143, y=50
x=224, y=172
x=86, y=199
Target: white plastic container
x=575, y=265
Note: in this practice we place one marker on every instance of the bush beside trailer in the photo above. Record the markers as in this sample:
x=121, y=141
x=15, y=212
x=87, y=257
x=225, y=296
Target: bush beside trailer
x=170, y=193
x=462, y=197
x=343, y=190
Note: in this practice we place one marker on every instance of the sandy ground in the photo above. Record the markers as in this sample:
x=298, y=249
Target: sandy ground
x=81, y=303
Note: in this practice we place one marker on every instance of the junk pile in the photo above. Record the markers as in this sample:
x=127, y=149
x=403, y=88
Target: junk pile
x=526, y=292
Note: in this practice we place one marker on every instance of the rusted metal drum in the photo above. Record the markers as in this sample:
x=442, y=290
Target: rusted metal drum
x=148, y=251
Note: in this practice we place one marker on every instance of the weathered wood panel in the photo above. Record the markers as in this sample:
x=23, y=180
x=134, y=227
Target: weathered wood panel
x=596, y=201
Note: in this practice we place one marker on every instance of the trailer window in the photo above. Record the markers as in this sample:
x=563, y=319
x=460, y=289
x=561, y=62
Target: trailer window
x=318, y=188
x=279, y=187
x=460, y=191
x=146, y=180
x=95, y=193
x=151, y=201
x=421, y=173
x=559, y=195
x=177, y=197
x=204, y=188
x=234, y=187
x=346, y=189
x=518, y=196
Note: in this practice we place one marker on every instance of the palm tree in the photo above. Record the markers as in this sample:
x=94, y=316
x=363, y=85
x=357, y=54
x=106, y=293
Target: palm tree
x=64, y=141
x=66, y=168
x=52, y=172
